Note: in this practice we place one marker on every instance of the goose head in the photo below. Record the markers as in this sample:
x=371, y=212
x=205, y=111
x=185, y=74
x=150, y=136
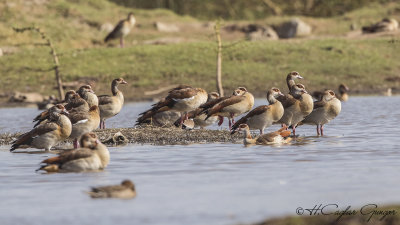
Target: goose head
x=294, y=75
x=328, y=95
x=213, y=95
x=240, y=91
x=89, y=140
x=128, y=184
x=69, y=95
x=119, y=81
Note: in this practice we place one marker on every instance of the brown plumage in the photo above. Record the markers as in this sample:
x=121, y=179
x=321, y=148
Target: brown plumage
x=125, y=191
x=92, y=155
x=280, y=136
x=382, y=26
x=233, y=106
x=263, y=116
x=111, y=105
x=86, y=92
x=50, y=132
x=181, y=99
x=342, y=96
x=122, y=29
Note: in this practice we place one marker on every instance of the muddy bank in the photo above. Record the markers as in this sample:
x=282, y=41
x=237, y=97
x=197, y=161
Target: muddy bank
x=369, y=215
x=153, y=135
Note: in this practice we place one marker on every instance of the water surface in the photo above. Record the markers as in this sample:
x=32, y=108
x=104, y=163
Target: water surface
x=356, y=163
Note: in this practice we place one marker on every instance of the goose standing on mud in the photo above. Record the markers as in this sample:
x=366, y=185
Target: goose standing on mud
x=233, y=106
x=298, y=104
x=92, y=155
x=280, y=136
x=263, y=116
x=124, y=191
x=324, y=111
x=181, y=99
x=111, y=105
x=57, y=128
x=122, y=29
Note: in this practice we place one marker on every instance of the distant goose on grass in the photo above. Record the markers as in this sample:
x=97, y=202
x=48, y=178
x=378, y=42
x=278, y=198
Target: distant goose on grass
x=92, y=155
x=55, y=129
x=324, y=111
x=182, y=99
x=126, y=190
x=263, y=116
x=111, y=105
x=385, y=25
x=280, y=136
x=122, y=29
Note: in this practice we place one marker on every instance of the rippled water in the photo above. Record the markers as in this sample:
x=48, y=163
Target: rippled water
x=356, y=163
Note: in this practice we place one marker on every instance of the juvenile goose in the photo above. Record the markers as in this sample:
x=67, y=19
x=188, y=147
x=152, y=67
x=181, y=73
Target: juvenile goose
x=111, y=105
x=181, y=99
x=83, y=119
x=298, y=104
x=56, y=129
x=280, y=136
x=263, y=116
x=324, y=111
x=125, y=191
x=232, y=106
x=92, y=156
x=122, y=29
x=86, y=92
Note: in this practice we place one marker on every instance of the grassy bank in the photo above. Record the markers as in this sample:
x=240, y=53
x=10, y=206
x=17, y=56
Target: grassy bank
x=364, y=65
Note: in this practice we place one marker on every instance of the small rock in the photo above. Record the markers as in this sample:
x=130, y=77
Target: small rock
x=264, y=33
x=163, y=27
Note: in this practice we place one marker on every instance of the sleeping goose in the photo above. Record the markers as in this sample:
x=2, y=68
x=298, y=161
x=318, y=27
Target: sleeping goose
x=111, y=105
x=181, y=99
x=55, y=129
x=298, y=104
x=324, y=111
x=280, y=136
x=92, y=155
x=382, y=26
x=122, y=29
x=233, y=106
x=125, y=190
x=263, y=116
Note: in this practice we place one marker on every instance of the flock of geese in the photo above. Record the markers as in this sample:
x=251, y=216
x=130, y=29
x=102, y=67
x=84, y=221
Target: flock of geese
x=83, y=111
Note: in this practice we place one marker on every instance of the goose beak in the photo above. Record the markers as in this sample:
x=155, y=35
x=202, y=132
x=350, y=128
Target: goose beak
x=124, y=82
x=299, y=77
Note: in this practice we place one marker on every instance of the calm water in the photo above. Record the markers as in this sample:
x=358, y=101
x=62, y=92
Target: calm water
x=356, y=163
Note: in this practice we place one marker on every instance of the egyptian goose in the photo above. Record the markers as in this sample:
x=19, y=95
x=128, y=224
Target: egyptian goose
x=111, y=105
x=181, y=99
x=382, y=26
x=233, y=106
x=324, y=111
x=291, y=77
x=298, y=104
x=92, y=155
x=125, y=191
x=280, y=136
x=83, y=118
x=343, y=89
x=198, y=116
x=122, y=29
x=45, y=114
x=86, y=92
x=56, y=129
x=263, y=116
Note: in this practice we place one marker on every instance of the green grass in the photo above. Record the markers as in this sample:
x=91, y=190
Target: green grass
x=361, y=64
x=73, y=26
